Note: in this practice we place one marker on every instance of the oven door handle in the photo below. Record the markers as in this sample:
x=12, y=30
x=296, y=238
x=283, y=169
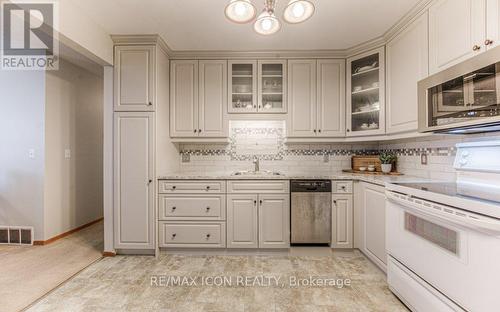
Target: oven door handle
x=491, y=225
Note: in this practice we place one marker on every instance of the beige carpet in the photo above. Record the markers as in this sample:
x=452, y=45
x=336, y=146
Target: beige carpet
x=29, y=272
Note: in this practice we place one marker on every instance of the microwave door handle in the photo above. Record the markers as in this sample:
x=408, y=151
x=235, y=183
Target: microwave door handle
x=482, y=224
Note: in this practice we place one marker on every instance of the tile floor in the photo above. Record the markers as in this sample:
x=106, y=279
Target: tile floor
x=123, y=283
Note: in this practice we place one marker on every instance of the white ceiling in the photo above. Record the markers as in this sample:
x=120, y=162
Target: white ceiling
x=201, y=24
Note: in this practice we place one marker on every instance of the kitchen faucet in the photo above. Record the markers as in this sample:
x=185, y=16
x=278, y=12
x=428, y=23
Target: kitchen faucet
x=256, y=162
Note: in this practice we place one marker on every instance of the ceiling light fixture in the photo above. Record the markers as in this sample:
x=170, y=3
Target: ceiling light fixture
x=267, y=23
x=298, y=11
x=240, y=11
x=243, y=11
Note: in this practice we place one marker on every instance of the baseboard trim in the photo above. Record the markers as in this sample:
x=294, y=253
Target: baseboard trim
x=53, y=239
x=108, y=253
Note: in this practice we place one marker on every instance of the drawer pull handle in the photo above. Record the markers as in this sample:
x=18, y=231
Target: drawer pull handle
x=208, y=236
x=173, y=208
x=174, y=235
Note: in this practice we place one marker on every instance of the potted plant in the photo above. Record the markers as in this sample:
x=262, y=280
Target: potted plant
x=387, y=159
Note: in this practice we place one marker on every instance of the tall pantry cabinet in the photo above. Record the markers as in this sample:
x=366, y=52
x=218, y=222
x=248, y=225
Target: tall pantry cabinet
x=139, y=107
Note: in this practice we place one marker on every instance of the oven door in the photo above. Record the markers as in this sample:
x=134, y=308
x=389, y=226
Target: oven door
x=456, y=252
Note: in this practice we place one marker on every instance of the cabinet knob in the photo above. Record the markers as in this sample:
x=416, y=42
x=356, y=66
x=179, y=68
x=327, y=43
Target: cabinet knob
x=208, y=209
x=174, y=187
x=476, y=48
x=255, y=202
x=488, y=42
x=348, y=130
x=335, y=202
x=208, y=187
x=195, y=130
x=150, y=104
x=199, y=130
x=173, y=208
x=260, y=201
x=254, y=106
x=208, y=236
x=319, y=130
x=150, y=181
x=314, y=130
x=174, y=235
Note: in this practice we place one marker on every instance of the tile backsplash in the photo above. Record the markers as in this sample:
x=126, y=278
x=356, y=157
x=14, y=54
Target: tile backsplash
x=266, y=141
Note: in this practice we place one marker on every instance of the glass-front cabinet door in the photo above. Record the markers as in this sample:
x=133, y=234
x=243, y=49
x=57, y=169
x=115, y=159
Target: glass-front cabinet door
x=242, y=87
x=366, y=96
x=272, y=86
x=471, y=96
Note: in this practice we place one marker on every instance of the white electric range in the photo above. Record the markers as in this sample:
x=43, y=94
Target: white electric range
x=443, y=239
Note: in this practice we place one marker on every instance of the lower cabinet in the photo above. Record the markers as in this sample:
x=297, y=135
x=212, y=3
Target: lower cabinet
x=274, y=221
x=192, y=214
x=242, y=216
x=342, y=221
x=370, y=222
x=133, y=180
x=192, y=234
x=257, y=220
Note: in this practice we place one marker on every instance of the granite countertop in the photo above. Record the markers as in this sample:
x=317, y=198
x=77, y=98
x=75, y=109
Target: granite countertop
x=376, y=179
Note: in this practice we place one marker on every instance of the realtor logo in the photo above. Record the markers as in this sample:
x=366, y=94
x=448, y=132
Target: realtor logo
x=28, y=37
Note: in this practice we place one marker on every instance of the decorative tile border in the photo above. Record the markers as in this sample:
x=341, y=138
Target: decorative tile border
x=283, y=150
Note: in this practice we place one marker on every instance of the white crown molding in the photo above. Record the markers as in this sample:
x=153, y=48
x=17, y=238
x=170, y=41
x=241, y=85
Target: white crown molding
x=152, y=39
x=382, y=40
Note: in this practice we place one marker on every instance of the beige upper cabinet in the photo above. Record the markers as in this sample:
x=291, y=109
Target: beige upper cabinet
x=330, y=98
x=457, y=31
x=274, y=220
x=316, y=97
x=212, y=120
x=183, y=98
x=493, y=23
x=198, y=98
x=134, y=78
x=134, y=185
x=271, y=91
x=407, y=63
x=302, y=98
x=366, y=93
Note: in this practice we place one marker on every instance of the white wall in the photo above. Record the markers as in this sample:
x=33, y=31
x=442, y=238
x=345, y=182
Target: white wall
x=22, y=99
x=73, y=119
x=80, y=28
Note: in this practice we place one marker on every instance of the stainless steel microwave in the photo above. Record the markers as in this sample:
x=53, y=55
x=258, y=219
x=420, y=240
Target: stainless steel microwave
x=464, y=98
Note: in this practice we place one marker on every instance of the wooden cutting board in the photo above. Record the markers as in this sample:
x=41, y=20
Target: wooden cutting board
x=366, y=160
x=394, y=173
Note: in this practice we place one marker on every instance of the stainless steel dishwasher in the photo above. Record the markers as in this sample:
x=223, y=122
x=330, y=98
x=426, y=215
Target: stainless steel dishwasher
x=311, y=206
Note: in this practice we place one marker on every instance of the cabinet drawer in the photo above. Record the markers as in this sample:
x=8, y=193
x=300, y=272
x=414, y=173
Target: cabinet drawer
x=184, y=187
x=192, y=234
x=259, y=186
x=342, y=187
x=189, y=207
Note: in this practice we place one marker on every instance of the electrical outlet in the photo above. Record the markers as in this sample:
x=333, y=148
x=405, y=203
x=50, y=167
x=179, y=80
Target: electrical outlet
x=326, y=158
x=31, y=153
x=186, y=158
x=423, y=159
x=67, y=153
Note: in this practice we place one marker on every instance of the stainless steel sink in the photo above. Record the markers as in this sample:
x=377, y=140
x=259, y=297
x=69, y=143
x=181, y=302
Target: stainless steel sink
x=257, y=173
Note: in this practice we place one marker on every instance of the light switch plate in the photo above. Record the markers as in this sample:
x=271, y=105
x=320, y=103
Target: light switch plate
x=186, y=158
x=326, y=158
x=31, y=153
x=67, y=153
